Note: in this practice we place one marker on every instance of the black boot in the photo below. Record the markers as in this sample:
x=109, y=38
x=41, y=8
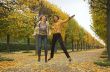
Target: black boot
x=46, y=56
x=39, y=54
x=69, y=59
x=38, y=58
x=49, y=58
x=46, y=59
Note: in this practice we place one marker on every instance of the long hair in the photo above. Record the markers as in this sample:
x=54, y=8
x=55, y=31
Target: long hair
x=40, y=18
x=57, y=16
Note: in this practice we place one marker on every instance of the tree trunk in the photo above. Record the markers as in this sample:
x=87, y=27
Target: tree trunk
x=86, y=46
x=108, y=29
x=28, y=43
x=8, y=42
x=65, y=42
x=77, y=45
x=82, y=45
x=72, y=45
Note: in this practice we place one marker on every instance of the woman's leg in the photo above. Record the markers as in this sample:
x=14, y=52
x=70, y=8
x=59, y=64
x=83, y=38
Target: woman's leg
x=63, y=47
x=45, y=47
x=54, y=39
x=39, y=46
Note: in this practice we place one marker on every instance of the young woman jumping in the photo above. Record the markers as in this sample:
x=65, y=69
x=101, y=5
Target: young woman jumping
x=42, y=30
x=56, y=27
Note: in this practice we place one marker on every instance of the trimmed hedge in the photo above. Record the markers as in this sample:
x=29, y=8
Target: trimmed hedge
x=16, y=47
x=103, y=63
x=5, y=59
x=19, y=47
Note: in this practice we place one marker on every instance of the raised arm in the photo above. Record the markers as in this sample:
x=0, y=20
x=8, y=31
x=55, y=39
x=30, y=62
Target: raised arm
x=66, y=20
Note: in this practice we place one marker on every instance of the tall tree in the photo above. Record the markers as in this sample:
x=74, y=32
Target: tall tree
x=102, y=7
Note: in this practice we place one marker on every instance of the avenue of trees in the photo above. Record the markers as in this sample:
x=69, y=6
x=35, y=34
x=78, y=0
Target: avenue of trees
x=18, y=19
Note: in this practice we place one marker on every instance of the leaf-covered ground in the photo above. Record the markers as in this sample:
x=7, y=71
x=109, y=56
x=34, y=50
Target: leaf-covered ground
x=27, y=62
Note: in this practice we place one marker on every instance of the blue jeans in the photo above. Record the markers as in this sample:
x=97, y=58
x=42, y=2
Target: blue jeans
x=42, y=39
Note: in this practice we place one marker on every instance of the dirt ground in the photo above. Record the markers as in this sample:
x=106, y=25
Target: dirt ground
x=82, y=61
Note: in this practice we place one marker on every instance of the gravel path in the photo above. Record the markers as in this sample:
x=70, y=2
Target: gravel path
x=81, y=62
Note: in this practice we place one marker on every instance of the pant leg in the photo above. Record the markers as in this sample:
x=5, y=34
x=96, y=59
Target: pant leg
x=54, y=39
x=45, y=46
x=62, y=46
x=39, y=45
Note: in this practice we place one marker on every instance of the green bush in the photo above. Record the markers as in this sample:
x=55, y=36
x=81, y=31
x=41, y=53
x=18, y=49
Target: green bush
x=15, y=47
x=26, y=52
x=5, y=59
x=25, y=47
x=103, y=56
x=103, y=63
x=104, y=52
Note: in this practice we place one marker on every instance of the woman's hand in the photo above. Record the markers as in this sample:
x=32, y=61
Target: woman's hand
x=64, y=21
x=72, y=16
x=33, y=34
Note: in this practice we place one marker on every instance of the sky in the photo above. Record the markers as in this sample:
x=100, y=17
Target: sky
x=81, y=10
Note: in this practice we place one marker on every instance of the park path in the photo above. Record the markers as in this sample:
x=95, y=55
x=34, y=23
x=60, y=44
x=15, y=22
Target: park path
x=81, y=62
